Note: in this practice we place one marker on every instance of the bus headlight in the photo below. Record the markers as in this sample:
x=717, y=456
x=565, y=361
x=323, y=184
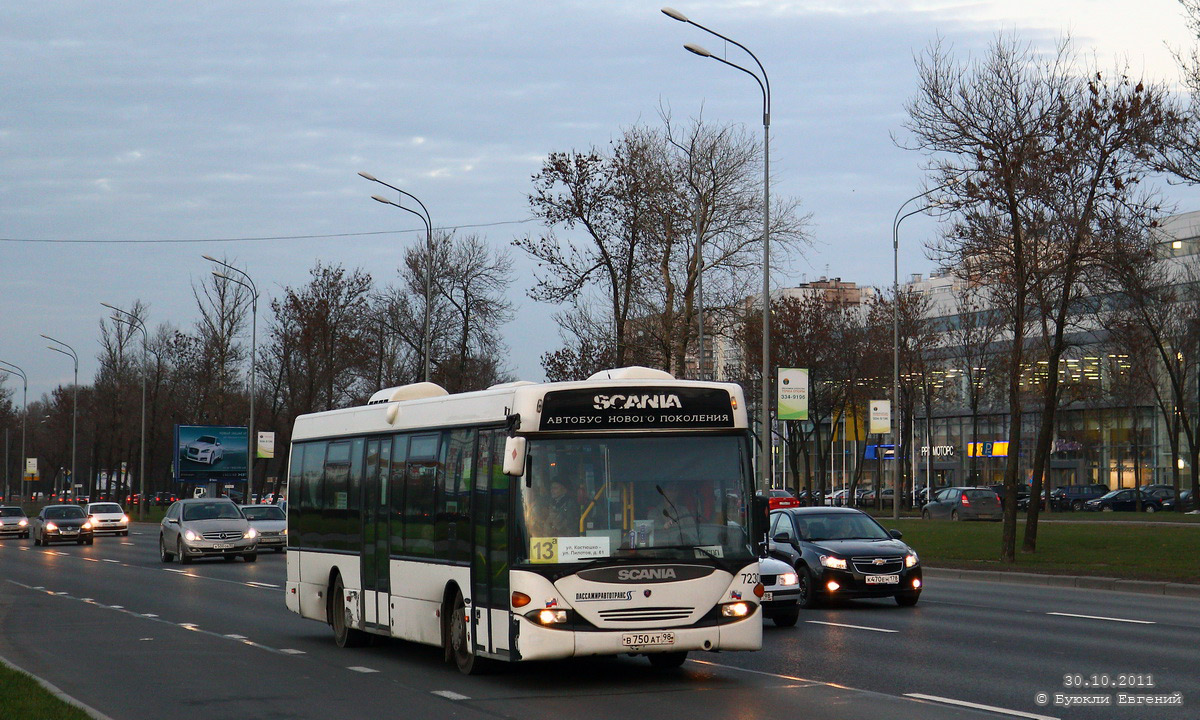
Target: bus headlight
x=735, y=609
x=549, y=616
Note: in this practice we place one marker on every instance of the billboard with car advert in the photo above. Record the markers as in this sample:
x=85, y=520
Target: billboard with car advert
x=210, y=453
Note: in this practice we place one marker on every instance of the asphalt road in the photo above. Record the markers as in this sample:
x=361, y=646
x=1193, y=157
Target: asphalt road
x=139, y=640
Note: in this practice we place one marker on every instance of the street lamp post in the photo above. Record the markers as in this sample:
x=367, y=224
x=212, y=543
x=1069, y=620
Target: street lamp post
x=14, y=370
x=424, y=215
x=70, y=352
x=764, y=84
x=251, y=439
x=127, y=318
x=899, y=218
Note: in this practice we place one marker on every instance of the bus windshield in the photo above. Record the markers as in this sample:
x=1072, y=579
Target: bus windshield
x=657, y=497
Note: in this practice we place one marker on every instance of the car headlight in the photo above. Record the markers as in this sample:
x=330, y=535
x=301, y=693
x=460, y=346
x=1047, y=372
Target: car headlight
x=790, y=578
x=124, y=518
x=251, y=534
x=51, y=526
x=283, y=531
x=87, y=525
x=911, y=559
x=836, y=563
x=22, y=523
x=190, y=536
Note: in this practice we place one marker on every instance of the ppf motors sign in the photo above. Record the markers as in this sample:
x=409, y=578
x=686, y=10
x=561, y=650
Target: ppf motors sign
x=792, y=394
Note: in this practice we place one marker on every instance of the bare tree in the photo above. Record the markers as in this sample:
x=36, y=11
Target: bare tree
x=1053, y=161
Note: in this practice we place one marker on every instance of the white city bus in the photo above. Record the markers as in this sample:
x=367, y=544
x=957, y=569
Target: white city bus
x=531, y=521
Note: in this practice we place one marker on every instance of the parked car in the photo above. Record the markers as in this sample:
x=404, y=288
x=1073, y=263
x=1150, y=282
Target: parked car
x=1125, y=500
x=163, y=499
x=1022, y=494
x=781, y=499
x=844, y=553
x=206, y=527
x=963, y=503
x=838, y=497
x=782, y=591
x=205, y=449
x=13, y=521
x=61, y=523
x=107, y=517
x=1072, y=497
x=271, y=524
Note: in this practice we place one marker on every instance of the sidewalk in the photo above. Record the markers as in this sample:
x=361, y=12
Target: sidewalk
x=1144, y=587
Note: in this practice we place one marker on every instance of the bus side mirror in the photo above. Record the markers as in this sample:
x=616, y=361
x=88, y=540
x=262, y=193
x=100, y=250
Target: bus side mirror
x=514, y=456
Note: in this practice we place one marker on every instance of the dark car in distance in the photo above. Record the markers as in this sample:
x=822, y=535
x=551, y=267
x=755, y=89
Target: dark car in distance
x=963, y=503
x=1073, y=497
x=844, y=553
x=1125, y=500
x=61, y=523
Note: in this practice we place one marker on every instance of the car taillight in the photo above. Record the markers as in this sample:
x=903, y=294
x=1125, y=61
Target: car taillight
x=998, y=500
x=965, y=500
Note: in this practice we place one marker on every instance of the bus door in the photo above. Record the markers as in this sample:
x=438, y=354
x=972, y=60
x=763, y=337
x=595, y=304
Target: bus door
x=489, y=557
x=376, y=610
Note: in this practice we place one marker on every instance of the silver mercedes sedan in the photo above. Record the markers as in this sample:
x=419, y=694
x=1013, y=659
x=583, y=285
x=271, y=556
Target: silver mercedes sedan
x=206, y=527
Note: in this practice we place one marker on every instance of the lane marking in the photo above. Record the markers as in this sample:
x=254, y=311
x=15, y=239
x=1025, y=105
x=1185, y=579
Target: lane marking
x=112, y=561
x=149, y=615
x=361, y=669
x=174, y=570
x=978, y=706
x=855, y=627
x=116, y=607
x=1101, y=617
x=22, y=548
x=58, y=552
x=129, y=543
x=91, y=559
x=450, y=695
x=262, y=585
x=236, y=637
x=290, y=651
x=189, y=626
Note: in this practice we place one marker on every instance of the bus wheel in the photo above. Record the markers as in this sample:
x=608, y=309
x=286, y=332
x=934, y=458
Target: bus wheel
x=667, y=660
x=343, y=635
x=456, y=634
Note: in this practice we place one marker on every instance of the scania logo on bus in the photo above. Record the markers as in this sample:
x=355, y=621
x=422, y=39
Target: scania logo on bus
x=643, y=574
x=639, y=402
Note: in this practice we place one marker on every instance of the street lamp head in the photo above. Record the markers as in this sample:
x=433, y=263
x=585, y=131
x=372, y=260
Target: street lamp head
x=694, y=48
x=385, y=201
x=221, y=275
x=210, y=258
x=675, y=14
x=368, y=176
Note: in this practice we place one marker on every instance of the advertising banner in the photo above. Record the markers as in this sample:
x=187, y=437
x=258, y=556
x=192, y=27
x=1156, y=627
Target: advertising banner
x=266, y=445
x=792, y=394
x=881, y=417
x=210, y=453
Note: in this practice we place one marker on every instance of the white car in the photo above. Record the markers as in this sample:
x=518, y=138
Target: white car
x=205, y=449
x=107, y=517
x=271, y=524
x=780, y=601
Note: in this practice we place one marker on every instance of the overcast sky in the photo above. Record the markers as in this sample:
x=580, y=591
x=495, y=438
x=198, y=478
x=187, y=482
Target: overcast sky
x=184, y=129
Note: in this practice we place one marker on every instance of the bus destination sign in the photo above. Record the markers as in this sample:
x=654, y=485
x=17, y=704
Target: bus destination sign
x=636, y=408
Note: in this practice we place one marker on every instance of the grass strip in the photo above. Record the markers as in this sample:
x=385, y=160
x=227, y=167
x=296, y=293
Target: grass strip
x=1129, y=551
x=23, y=697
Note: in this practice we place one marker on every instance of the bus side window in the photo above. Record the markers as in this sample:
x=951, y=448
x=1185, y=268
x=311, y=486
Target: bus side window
x=335, y=512
x=311, y=498
x=296, y=487
x=352, y=533
x=419, y=505
x=452, y=524
x=396, y=478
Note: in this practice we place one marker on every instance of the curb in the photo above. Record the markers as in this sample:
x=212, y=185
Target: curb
x=1141, y=587
x=50, y=688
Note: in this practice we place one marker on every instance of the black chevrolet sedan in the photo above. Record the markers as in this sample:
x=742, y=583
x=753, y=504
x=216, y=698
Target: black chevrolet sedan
x=61, y=523
x=844, y=553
